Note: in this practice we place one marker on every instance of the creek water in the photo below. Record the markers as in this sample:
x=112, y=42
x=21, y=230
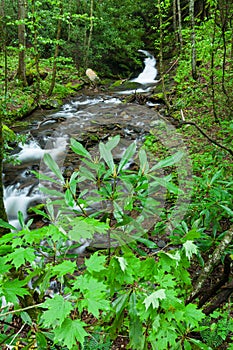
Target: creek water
x=86, y=118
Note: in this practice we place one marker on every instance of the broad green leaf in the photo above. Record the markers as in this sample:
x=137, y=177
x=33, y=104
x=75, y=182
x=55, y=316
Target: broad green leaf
x=190, y=249
x=20, y=256
x=228, y=210
x=94, y=305
x=193, y=316
x=127, y=156
x=120, y=303
x=69, y=198
x=6, y=225
x=95, y=263
x=94, y=294
x=169, y=161
x=50, y=162
x=78, y=148
x=122, y=262
x=144, y=165
x=165, y=183
x=113, y=142
x=66, y=267
x=136, y=336
x=70, y=332
x=43, y=177
x=147, y=243
x=153, y=299
x=3, y=266
x=41, y=341
x=58, y=310
x=86, y=227
x=107, y=156
x=50, y=192
x=13, y=288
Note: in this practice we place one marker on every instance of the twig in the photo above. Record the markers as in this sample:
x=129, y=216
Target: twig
x=19, y=310
x=169, y=69
x=208, y=138
x=16, y=335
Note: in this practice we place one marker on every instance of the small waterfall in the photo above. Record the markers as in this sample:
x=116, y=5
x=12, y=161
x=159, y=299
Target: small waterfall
x=149, y=73
x=22, y=195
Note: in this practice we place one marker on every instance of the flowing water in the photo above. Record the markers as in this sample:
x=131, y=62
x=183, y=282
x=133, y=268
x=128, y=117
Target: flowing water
x=87, y=119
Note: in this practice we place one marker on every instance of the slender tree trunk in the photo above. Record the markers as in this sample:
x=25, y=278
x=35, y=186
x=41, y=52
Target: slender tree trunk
x=212, y=71
x=90, y=33
x=56, y=53
x=3, y=44
x=36, y=53
x=22, y=42
x=179, y=24
x=161, y=68
x=193, y=39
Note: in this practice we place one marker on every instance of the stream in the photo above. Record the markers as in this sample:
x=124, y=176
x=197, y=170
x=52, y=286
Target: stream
x=89, y=118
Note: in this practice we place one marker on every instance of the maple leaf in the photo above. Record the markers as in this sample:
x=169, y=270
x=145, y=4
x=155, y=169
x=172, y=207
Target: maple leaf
x=154, y=298
x=190, y=249
x=95, y=263
x=12, y=289
x=20, y=256
x=70, y=332
x=123, y=263
x=58, y=310
x=64, y=268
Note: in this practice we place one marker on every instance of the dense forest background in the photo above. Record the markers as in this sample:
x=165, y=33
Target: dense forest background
x=140, y=296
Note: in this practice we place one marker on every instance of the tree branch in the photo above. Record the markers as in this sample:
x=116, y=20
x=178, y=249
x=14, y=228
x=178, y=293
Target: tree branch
x=208, y=138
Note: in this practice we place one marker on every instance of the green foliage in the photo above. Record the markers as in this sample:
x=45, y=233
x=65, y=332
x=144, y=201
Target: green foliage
x=122, y=293
x=219, y=326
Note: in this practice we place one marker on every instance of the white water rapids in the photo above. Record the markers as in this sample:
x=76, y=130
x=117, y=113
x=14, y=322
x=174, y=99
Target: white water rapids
x=23, y=193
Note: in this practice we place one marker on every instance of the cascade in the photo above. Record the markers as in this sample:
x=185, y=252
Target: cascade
x=149, y=73
x=79, y=114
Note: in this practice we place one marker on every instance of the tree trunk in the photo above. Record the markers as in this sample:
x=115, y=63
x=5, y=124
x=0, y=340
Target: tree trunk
x=179, y=24
x=56, y=53
x=22, y=42
x=36, y=53
x=193, y=39
x=161, y=54
x=90, y=33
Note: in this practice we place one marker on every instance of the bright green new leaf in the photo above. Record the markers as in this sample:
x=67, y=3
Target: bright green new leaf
x=3, y=266
x=20, y=256
x=86, y=227
x=50, y=162
x=78, y=148
x=169, y=161
x=193, y=316
x=64, y=268
x=70, y=332
x=6, y=225
x=154, y=298
x=123, y=263
x=13, y=288
x=57, y=310
x=95, y=263
x=190, y=249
